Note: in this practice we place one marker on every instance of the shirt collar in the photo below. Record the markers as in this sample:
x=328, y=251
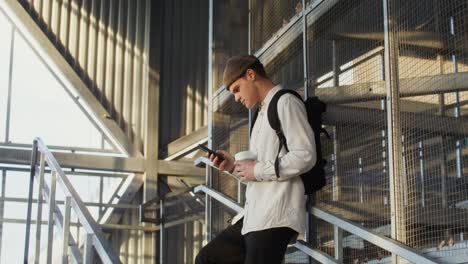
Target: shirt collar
x=269, y=95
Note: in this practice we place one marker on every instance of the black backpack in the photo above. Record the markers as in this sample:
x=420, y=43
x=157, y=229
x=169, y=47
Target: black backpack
x=314, y=179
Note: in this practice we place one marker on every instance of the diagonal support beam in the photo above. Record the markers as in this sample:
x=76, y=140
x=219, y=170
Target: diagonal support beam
x=67, y=76
x=186, y=144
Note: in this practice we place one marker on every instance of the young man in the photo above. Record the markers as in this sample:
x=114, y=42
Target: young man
x=274, y=212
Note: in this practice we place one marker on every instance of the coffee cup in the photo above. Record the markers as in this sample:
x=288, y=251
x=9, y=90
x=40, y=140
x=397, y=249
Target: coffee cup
x=245, y=156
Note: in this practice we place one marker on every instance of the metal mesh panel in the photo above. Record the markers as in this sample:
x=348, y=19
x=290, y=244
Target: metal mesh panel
x=345, y=66
x=347, y=70
x=432, y=60
x=269, y=16
x=230, y=133
x=287, y=68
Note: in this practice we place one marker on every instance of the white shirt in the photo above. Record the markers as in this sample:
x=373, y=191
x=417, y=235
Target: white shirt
x=279, y=202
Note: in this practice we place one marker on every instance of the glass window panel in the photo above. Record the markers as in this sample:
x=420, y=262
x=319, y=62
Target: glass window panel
x=16, y=185
x=42, y=107
x=5, y=32
x=13, y=242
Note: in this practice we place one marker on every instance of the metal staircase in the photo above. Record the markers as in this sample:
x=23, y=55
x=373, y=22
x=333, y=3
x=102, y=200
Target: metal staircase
x=95, y=240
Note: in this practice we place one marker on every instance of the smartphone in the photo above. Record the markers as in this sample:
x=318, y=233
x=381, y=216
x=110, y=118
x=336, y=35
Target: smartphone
x=210, y=151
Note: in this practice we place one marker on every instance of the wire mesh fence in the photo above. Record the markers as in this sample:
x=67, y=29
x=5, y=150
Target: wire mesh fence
x=350, y=56
x=431, y=39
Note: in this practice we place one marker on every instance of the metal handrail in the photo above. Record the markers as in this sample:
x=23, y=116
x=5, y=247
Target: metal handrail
x=383, y=242
x=95, y=237
x=300, y=244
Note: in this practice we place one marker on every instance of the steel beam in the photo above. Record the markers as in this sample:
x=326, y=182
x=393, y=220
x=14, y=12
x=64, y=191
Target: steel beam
x=79, y=161
x=186, y=144
x=409, y=87
x=374, y=117
x=288, y=34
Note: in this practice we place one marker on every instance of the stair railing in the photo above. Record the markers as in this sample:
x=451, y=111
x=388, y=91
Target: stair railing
x=94, y=240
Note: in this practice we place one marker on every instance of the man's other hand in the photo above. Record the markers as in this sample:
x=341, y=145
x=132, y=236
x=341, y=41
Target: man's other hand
x=245, y=169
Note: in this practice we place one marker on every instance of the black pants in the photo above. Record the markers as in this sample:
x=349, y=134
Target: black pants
x=260, y=247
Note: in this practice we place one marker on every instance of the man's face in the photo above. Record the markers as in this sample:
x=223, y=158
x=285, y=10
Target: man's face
x=245, y=91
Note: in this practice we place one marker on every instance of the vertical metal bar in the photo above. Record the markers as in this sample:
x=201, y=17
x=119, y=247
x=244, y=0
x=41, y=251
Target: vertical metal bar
x=119, y=62
x=50, y=222
x=128, y=70
x=64, y=27
x=336, y=68
x=47, y=13
x=2, y=209
x=10, y=85
x=443, y=160
x=74, y=30
x=101, y=194
x=39, y=208
x=249, y=50
x=55, y=19
x=457, y=110
x=151, y=104
x=305, y=52
x=338, y=243
x=110, y=56
x=83, y=36
x=88, y=249
x=209, y=175
x=421, y=173
x=92, y=44
x=138, y=72
x=101, y=26
x=38, y=7
x=393, y=126
x=361, y=180
x=336, y=171
x=66, y=229
x=161, y=232
x=30, y=200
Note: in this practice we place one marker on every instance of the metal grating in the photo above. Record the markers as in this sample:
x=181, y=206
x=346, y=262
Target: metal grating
x=431, y=37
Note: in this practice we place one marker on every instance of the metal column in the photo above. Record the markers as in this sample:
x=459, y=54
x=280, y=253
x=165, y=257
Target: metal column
x=393, y=127
x=39, y=207
x=209, y=172
x=66, y=229
x=305, y=53
x=30, y=200
x=162, y=231
x=50, y=221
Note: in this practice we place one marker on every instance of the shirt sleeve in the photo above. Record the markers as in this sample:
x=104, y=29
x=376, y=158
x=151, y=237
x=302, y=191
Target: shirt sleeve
x=300, y=139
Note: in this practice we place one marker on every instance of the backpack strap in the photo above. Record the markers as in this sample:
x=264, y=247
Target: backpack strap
x=275, y=123
x=254, y=119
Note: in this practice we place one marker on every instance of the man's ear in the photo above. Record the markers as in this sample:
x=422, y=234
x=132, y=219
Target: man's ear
x=251, y=75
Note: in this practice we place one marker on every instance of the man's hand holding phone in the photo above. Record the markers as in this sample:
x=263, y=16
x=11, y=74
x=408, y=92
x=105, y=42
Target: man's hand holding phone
x=223, y=160
x=220, y=158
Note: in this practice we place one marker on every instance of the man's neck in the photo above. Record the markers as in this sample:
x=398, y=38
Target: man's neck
x=265, y=87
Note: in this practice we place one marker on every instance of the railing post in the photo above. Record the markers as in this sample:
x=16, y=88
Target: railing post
x=66, y=229
x=50, y=223
x=338, y=243
x=161, y=232
x=30, y=200
x=88, y=249
x=39, y=208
